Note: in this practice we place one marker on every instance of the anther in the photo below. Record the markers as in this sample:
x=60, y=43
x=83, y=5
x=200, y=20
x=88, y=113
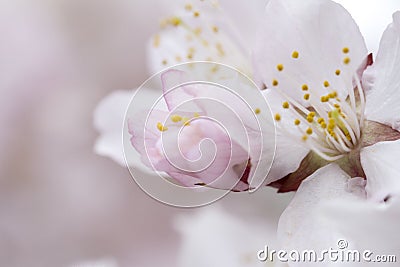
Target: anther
x=285, y=104
x=175, y=21
x=161, y=127
x=176, y=118
x=295, y=54
x=186, y=121
x=188, y=7
x=277, y=117
x=156, y=41
x=279, y=67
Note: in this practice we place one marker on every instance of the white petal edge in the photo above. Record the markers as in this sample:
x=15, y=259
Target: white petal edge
x=109, y=121
x=381, y=166
x=382, y=79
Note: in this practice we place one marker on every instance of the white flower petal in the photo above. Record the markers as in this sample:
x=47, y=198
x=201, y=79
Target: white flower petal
x=301, y=225
x=381, y=166
x=318, y=30
x=290, y=149
x=382, y=79
x=109, y=121
x=199, y=33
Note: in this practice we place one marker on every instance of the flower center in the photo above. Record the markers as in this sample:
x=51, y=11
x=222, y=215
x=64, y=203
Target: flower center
x=327, y=124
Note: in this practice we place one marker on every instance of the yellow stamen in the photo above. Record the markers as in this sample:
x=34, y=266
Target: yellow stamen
x=188, y=7
x=274, y=82
x=279, y=67
x=296, y=122
x=326, y=83
x=215, y=29
x=332, y=95
x=324, y=99
x=196, y=14
x=306, y=96
x=220, y=49
x=337, y=72
x=285, y=104
x=186, y=121
x=309, y=131
x=197, y=31
x=257, y=111
x=295, y=54
x=214, y=69
x=175, y=21
x=304, y=87
x=277, y=117
x=304, y=138
x=156, y=40
x=176, y=118
x=161, y=127
x=345, y=50
x=346, y=60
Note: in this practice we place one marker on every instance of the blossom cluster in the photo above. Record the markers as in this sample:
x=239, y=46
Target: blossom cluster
x=321, y=117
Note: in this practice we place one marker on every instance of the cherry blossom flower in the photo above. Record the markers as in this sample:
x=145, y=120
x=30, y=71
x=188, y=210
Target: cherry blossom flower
x=202, y=134
x=341, y=122
x=335, y=111
x=199, y=31
x=314, y=87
